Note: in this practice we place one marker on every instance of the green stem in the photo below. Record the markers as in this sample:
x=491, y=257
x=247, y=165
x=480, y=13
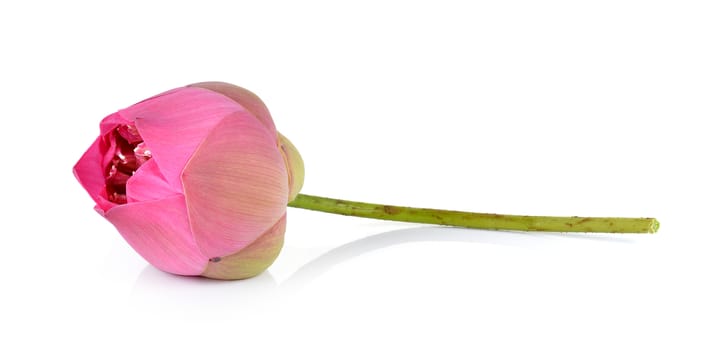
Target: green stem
x=476, y=220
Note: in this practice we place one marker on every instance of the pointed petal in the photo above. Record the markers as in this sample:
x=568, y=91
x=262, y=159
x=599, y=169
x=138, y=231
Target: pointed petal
x=174, y=124
x=90, y=175
x=236, y=185
x=252, y=260
x=245, y=98
x=111, y=121
x=159, y=231
x=148, y=184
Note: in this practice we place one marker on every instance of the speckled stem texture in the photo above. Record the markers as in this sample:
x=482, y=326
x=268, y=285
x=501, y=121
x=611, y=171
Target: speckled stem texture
x=476, y=220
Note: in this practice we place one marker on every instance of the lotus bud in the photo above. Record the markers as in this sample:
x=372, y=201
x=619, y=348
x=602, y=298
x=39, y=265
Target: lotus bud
x=196, y=180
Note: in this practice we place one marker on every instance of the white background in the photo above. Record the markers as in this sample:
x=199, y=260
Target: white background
x=524, y=107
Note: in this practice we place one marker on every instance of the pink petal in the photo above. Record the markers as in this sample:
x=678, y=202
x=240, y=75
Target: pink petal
x=159, y=231
x=110, y=122
x=173, y=125
x=148, y=184
x=90, y=174
x=236, y=185
x=245, y=98
x=252, y=260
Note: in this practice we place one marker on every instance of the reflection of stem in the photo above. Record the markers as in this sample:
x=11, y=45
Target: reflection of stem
x=476, y=220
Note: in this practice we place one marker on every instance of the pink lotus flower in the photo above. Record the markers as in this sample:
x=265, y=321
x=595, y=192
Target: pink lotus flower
x=196, y=180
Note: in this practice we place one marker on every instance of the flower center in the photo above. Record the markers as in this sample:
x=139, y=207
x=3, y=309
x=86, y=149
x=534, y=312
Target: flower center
x=130, y=153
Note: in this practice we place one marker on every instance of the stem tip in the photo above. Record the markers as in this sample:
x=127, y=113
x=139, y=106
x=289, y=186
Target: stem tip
x=654, y=226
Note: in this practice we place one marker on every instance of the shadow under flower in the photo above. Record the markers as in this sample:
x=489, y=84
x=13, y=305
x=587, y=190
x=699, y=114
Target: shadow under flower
x=159, y=292
x=531, y=240
x=153, y=282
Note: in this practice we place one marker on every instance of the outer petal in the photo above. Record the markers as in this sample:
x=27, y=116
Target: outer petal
x=294, y=164
x=174, y=124
x=245, y=98
x=159, y=232
x=149, y=184
x=236, y=185
x=90, y=174
x=252, y=260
